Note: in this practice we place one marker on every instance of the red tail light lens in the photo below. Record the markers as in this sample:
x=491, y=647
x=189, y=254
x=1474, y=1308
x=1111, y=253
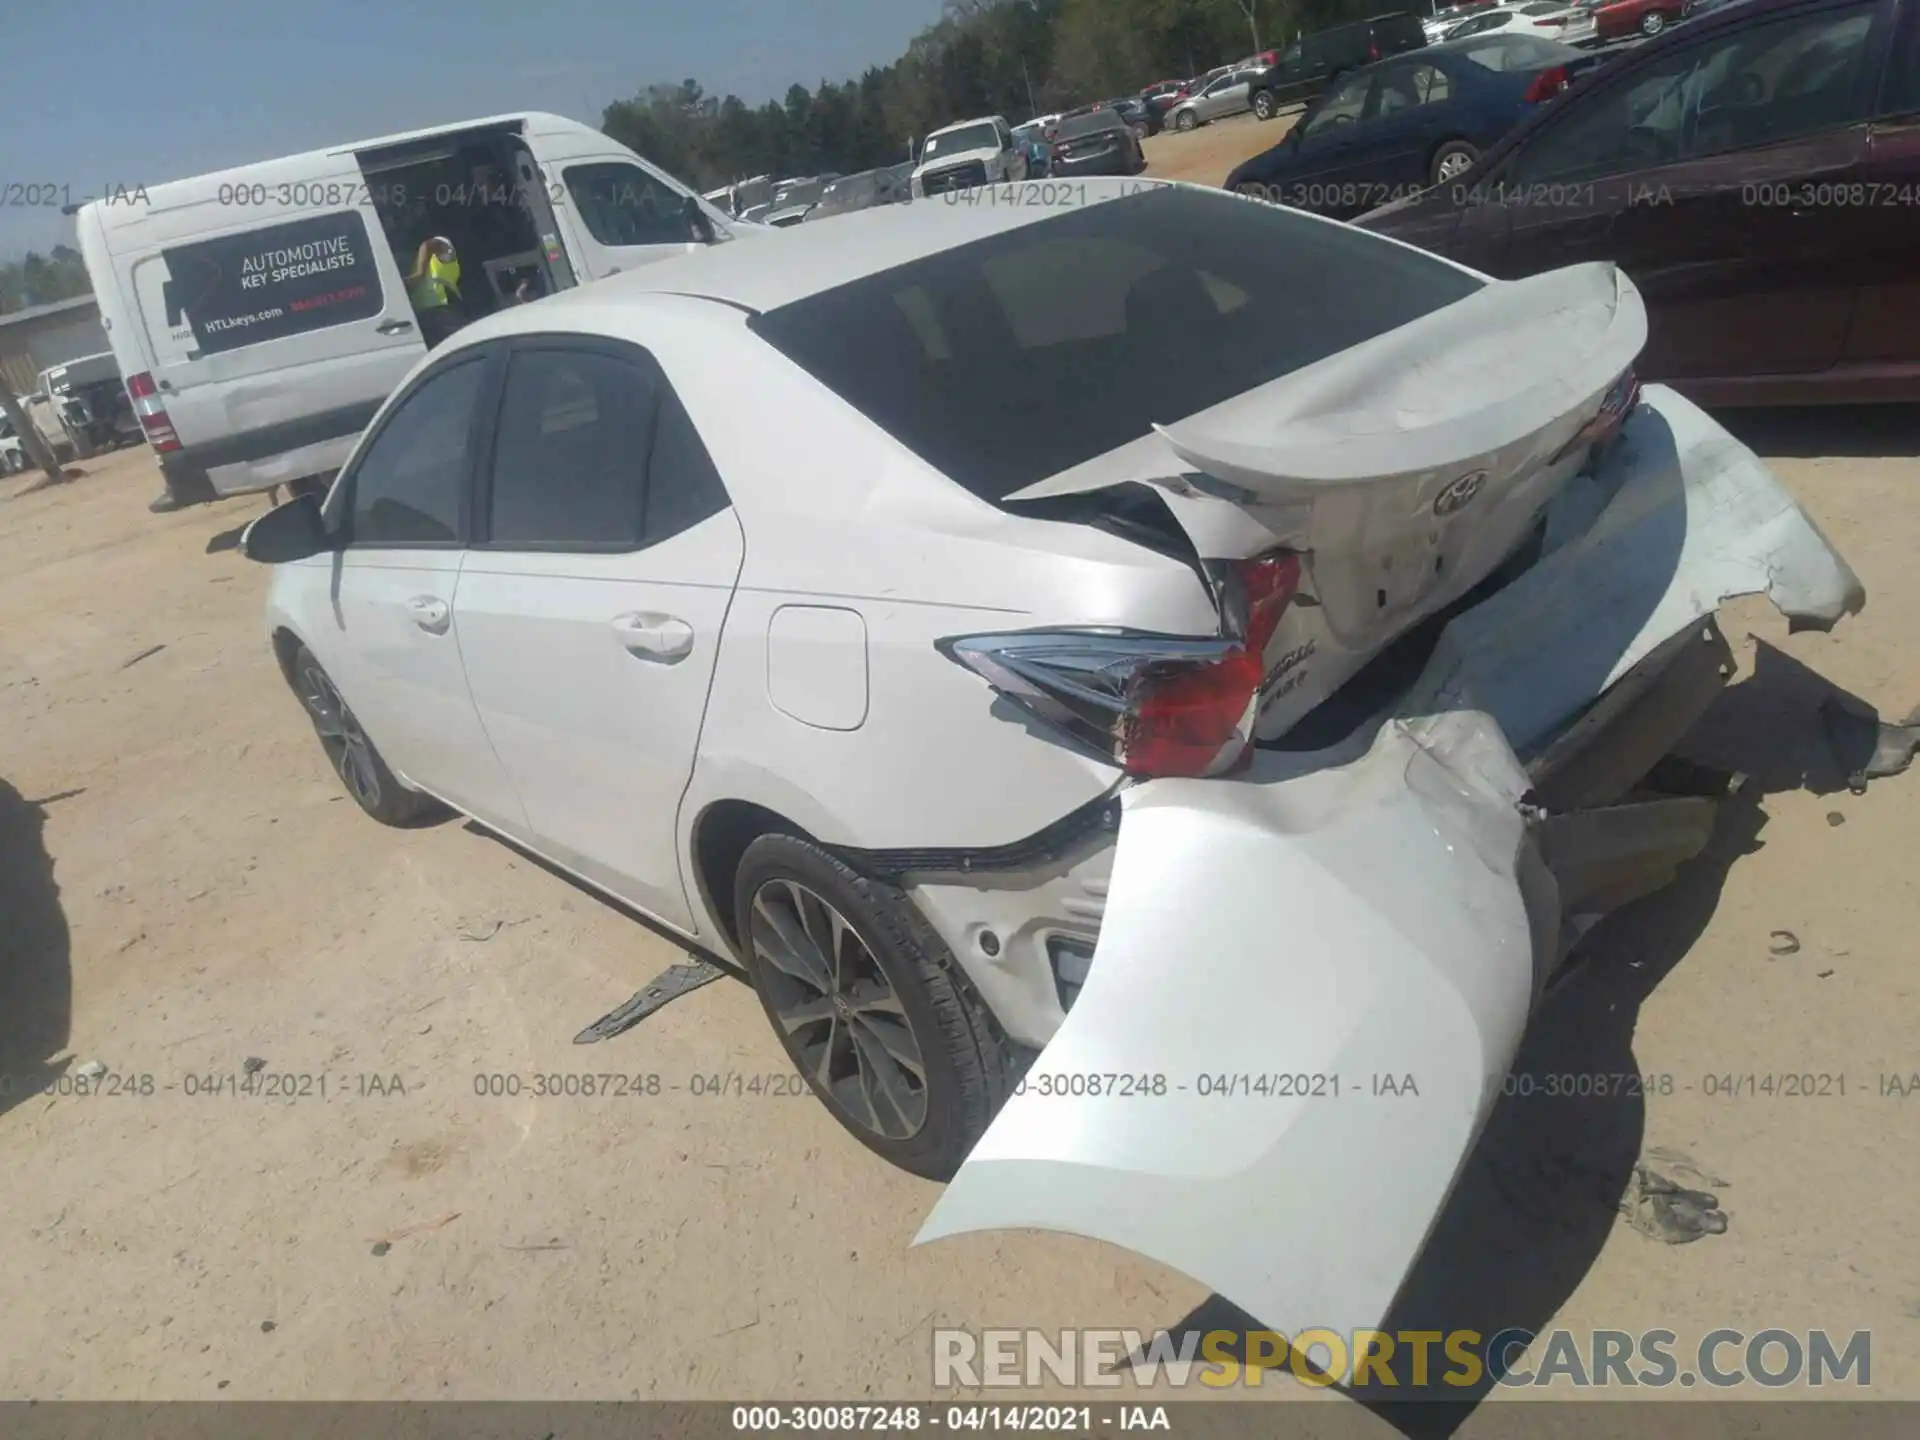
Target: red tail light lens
x=1547, y=84
x=1156, y=705
x=1373, y=50
x=152, y=411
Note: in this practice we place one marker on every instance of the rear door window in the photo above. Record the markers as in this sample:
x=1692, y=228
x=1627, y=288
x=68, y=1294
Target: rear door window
x=569, y=456
x=406, y=489
x=1009, y=359
x=594, y=452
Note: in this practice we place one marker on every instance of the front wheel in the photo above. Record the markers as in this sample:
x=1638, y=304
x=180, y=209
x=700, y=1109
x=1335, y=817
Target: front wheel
x=1453, y=160
x=1652, y=23
x=1186, y=121
x=1265, y=107
x=373, y=786
x=870, y=1006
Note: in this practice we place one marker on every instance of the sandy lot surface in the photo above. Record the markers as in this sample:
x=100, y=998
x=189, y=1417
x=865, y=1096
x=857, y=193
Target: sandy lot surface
x=183, y=886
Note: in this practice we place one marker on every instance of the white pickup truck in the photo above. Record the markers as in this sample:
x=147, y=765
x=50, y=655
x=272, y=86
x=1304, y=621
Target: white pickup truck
x=968, y=155
x=82, y=406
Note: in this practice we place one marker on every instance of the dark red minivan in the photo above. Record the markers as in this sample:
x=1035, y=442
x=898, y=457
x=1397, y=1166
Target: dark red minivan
x=1756, y=173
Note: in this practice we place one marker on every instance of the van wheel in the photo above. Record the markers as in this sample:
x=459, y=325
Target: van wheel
x=1263, y=105
x=1453, y=159
x=374, y=787
x=1652, y=23
x=871, y=1007
x=1186, y=121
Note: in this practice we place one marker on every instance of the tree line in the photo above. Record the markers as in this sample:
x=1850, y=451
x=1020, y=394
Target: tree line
x=982, y=57
x=42, y=279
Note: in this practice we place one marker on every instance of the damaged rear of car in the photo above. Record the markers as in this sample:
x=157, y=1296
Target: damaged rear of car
x=1461, y=574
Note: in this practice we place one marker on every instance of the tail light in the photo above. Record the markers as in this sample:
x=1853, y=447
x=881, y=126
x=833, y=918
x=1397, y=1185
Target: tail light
x=1373, y=49
x=1156, y=705
x=1547, y=84
x=152, y=411
x=1615, y=406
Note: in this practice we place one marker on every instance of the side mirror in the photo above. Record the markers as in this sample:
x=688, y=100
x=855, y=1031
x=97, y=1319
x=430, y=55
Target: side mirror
x=698, y=225
x=293, y=531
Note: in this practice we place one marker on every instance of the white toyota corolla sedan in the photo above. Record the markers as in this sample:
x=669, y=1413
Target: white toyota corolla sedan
x=1149, y=688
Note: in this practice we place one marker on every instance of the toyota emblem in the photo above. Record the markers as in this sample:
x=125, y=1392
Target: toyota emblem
x=1458, y=493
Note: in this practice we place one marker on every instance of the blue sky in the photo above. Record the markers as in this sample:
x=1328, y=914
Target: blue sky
x=117, y=93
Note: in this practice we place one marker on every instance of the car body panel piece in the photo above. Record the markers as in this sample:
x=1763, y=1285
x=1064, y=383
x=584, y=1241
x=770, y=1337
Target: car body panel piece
x=1332, y=1005
x=1343, y=929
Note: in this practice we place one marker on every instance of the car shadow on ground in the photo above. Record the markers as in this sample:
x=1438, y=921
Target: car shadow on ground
x=36, y=975
x=1543, y=1190
x=1834, y=431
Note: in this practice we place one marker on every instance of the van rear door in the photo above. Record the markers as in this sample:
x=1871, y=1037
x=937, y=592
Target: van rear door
x=276, y=315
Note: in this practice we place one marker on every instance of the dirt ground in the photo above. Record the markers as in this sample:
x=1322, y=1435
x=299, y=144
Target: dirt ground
x=184, y=886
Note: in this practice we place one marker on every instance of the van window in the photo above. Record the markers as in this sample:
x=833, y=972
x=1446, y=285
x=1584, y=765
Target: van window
x=407, y=487
x=624, y=205
x=262, y=284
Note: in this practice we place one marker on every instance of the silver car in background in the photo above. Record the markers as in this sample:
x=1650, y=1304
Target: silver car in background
x=1224, y=95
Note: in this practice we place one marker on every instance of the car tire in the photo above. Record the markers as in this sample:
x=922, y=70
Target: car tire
x=1451, y=160
x=374, y=787
x=1185, y=121
x=1265, y=107
x=1652, y=23
x=826, y=947
x=13, y=462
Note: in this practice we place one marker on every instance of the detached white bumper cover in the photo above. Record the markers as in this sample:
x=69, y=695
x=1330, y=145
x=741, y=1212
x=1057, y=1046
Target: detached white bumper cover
x=1332, y=967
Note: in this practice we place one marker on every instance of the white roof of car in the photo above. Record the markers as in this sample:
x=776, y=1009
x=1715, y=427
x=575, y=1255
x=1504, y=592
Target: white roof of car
x=803, y=261
x=967, y=124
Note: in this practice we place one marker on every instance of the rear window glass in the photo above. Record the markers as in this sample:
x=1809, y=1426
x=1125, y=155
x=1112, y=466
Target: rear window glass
x=1089, y=124
x=1012, y=358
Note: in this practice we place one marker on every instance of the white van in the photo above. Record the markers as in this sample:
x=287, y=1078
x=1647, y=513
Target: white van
x=260, y=314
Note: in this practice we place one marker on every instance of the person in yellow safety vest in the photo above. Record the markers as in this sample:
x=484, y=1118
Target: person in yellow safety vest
x=433, y=287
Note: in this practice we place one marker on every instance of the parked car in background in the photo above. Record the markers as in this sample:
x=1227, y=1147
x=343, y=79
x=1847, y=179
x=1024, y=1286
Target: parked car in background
x=1224, y=95
x=888, y=185
x=1311, y=63
x=13, y=453
x=1141, y=117
x=1756, y=172
x=1391, y=130
x=81, y=406
x=1099, y=143
x=1620, y=19
x=1032, y=137
x=1547, y=18
x=1580, y=28
x=1437, y=24
x=969, y=154
x=822, y=601
x=1163, y=93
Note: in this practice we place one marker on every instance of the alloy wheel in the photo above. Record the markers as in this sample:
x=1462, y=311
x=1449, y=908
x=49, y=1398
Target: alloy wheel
x=1454, y=164
x=1652, y=23
x=838, y=1013
x=346, y=744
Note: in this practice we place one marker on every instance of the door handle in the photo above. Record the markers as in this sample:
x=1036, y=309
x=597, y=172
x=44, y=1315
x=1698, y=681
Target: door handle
x=393, y=327
x=429, y=614
x=653, y=636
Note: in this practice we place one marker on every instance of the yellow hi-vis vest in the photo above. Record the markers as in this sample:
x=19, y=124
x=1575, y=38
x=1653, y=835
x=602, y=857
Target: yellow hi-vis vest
x=430, y=291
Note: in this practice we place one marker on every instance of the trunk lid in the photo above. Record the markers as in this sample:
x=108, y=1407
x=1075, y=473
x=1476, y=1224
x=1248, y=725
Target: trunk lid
x=1403, y=470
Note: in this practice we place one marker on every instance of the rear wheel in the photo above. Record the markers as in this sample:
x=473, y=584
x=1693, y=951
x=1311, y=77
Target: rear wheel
x=1185, y=120
x=1264, y=105
x=1453, y=160
x=870, y=1005
x=374, y=787
x=1652, y=23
